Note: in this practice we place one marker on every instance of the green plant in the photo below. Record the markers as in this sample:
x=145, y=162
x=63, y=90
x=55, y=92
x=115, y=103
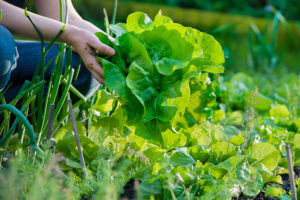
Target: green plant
x=163, y=121
x=32, y=96
x=156, y=72
x=192, y=155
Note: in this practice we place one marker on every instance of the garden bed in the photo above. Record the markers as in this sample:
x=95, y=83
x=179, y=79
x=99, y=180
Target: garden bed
x=130, y=189
x=166, y=125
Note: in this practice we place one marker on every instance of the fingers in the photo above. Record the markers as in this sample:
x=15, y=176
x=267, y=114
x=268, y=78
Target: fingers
x=100, y=47
x=86, y=49
x=98, y=78
x=94, y=67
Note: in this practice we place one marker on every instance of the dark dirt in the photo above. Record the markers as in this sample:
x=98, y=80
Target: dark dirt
x=130, y=192
x=260, y=196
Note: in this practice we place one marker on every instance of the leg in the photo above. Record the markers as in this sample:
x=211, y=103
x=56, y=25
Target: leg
x=8, y=55
x=30, y=55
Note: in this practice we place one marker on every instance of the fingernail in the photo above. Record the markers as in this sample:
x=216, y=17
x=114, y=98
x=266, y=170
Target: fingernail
x=113, y=52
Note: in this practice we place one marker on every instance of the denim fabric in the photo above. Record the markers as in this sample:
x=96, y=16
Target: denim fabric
x=19, y=3
x=29, y=57
x=8, y=55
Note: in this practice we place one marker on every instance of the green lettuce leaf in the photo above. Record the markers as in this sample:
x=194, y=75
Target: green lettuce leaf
x=152, y=73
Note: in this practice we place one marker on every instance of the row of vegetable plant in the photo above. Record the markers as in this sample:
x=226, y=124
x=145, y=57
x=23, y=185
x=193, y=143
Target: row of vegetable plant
x=166, y=119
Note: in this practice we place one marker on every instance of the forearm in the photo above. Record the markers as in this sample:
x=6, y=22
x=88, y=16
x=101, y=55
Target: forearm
x=84, y=24
x=84, y=41
x=15, y=20
x=51, y=9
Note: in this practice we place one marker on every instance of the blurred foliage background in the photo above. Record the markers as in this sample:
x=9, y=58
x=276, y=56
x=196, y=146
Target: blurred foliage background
x=290, y=8
x=256, y=35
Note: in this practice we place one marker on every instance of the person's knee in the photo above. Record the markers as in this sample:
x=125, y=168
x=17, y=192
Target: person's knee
x=8, y=55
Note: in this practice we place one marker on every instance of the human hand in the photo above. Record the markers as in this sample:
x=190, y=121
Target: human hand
x=86, y=44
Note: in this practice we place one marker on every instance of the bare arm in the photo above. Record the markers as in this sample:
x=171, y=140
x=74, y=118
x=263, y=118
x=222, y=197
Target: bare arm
x=85, y=42
x=51, y=9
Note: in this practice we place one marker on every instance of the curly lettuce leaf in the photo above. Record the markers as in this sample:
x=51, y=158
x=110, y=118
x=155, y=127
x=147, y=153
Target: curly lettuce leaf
x=153, y=71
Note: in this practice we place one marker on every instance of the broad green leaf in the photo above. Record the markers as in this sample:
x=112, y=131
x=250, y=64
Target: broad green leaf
x=175, y=191
x=140, y=83
x=235, y=118
x=234, y=135
x=105, y=102
x=180, y=157
x=264, y=153
x=239, y=173
x=195, y=107
x=116, y=59
x=136, y=142
x=65, y=143
x=154, y=154
x=177, y=94
x=115, y=144
x=199, y=152
x=157, y=108
x=117, y=29
x=197, y=136
x=104, y=38
x=231, y=131
x=169, y=102
x=296, y=141
x=254, y=184
x=115, y=79
x=137, y=22
x=221, y=151
x=187, y=176
x=217, y=133
x=232, y=163
x=151, y=72
x=274, y=191
x=238, y=139
x=260, y=102
x=216, y=191
x=267, y=175
x=148, y=130
x=280, y=111
x=108, y=126
x=172, y=139
x=297, y=123
x=165, y=54
x=218, y=115
x=204, y=65
x=68, y=129
x=212, y=51
x=281, y=114
x=214, y=170
x=150, y=187
x=161, y=20
x=296, y=149
x=133, y=50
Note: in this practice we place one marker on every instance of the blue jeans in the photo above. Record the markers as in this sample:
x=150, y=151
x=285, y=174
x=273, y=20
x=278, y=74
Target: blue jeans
x=29, y=55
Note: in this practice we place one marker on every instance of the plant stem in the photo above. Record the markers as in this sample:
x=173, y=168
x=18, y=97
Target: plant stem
x=113, y=21
x=106, y=21
x=49, y=127
x=291, y=171
x=77, y=139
